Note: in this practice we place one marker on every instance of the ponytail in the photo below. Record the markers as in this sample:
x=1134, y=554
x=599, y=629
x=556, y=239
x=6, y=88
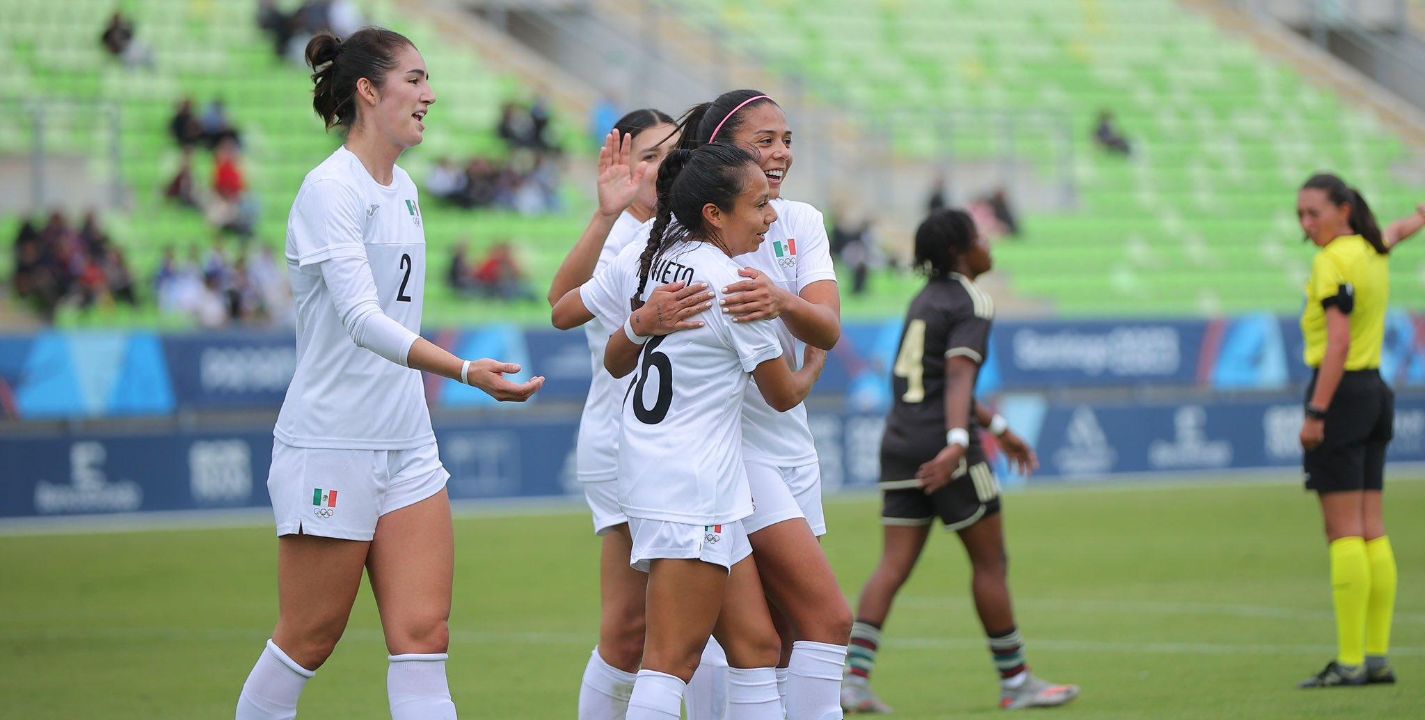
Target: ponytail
x=338, y=64
x=1363, y=223
x=668, y=171
x=718, y=120
x=688, y=126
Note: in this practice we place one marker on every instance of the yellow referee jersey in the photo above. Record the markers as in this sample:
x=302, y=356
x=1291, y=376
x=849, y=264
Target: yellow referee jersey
x=1350, y=275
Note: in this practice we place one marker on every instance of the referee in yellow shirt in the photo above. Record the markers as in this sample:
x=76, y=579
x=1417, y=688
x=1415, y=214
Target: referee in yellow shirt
x=1349, y=417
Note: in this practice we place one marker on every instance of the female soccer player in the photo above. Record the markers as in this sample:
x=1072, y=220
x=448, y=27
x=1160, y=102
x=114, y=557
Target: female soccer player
x=789, y=280
x=356, y=481
x=628, y=169
x=1350, y=414
x=932, y=464
x=681, y=478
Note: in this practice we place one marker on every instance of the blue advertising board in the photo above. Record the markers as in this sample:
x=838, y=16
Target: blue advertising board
x=527, y=456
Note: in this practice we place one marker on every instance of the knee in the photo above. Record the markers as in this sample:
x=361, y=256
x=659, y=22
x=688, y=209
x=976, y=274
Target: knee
x=622, y=644
x=420, y=633
x=832, y=624
x=762, y=649
x=309, y=645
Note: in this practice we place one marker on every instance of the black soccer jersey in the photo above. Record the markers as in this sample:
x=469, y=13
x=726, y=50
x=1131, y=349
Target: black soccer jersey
x=950, y=317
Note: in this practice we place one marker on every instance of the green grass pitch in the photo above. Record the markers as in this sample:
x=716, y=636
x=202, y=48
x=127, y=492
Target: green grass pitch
x=1162, y=602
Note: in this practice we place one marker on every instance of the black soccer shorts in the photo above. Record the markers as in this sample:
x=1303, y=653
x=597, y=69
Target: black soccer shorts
x=1359, y=426
x=971, y=496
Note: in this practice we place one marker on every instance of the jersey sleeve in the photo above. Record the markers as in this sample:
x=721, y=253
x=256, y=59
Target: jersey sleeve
x=814, y=263
x=754, y=342
x=1329, y=285
x=326, y=223
x=968, y=336
x=607, y=294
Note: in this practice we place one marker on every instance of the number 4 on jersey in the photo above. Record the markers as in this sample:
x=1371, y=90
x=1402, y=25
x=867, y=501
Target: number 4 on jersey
x=910, y=362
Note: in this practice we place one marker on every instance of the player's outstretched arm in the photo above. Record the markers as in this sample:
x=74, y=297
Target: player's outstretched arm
x=487, y=375
x=618, y=183
x=814, y=317
x=1401, y=230
x=670, y=308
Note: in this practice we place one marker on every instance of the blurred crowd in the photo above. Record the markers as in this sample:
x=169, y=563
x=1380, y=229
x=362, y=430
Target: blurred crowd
x=290, y=29
x=497, y=276
x=526, y=181
x=225, y=201
x=56, y=263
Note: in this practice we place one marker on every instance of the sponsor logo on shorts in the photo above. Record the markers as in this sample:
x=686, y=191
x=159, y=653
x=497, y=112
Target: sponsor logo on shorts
x=323, y=503
x=712, y=534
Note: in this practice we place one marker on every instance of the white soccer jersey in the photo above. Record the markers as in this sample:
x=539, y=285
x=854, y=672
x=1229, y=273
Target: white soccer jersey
x=795, y=254
x=597, y=451
x=680, y=449
x=342, y=395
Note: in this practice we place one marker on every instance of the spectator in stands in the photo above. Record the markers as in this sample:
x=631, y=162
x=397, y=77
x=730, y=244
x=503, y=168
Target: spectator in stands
x=500, y=276
x=517, y=127
x=234, y=209
x=483, y=183
x=118, y=40
x=117, y=278
x=216, y=126
x=938, y=200
x=540, y=118
x=211, y=309
x=459, y=276
x=181, y=188
x=277, y=24
x=447, y=183
x=34, y=280
x=998, y=200
x=184, y=127
x=1109, y=137
x=993, y=216
x=344, y=18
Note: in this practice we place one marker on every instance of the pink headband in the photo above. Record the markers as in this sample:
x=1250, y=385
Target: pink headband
x=727, y=117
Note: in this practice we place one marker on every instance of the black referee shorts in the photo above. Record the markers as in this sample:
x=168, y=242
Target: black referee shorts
x=971, y=496
x=1359, y=425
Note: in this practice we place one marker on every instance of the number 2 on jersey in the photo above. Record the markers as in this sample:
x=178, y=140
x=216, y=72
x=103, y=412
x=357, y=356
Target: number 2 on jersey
x=910, y=362
x=406, y=264
x=654, y=359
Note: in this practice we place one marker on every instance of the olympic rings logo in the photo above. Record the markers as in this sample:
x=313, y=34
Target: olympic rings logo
x=324, y=512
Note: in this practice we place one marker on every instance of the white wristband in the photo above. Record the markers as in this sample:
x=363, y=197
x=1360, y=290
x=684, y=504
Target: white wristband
x=465, y=373
x=958, y=436
x=632, y=336
x=998, y=425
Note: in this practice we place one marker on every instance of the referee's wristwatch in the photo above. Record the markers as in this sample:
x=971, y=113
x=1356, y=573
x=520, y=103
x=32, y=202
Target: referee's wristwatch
x=1315, y=413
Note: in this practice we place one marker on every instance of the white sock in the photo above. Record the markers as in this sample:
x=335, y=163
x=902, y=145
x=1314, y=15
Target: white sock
x=656, y=696
x=273, y=687
x=814, y=688
x=752, y=694
x=706, y=698
x=418, y=689
x=605, y=691
x=782, y=684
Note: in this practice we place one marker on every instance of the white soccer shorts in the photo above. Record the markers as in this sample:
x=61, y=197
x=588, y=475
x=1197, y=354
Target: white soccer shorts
x=784, y=493
x=724, y=544
x=602, y=497
x=342, y=493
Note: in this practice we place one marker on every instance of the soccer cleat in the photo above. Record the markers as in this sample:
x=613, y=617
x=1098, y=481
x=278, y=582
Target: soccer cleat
x=1037, y=693
x=1381, y=675
x=857, y=697
x=1337, y=675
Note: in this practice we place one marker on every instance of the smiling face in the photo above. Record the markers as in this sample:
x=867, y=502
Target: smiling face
x=397, y=108
x=742, y=229
x=1321, y=219
x=651, y=146
x=764, y=132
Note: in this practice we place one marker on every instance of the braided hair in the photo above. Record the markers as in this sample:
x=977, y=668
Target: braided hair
x=687, y=181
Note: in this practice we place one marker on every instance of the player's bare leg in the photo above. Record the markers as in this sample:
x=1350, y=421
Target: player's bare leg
x=317, y=581
x=611, y=671
x=817, y=621
x=684, y=600
x=900, y=550
x=412, y=566
x=984, y=543
x=745, y=630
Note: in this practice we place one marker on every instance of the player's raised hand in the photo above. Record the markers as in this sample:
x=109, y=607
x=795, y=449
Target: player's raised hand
x=673, y=307
x=941, y=469
x=756, y=298
x=1021, y=456
x=489, y=376
x=619, y=178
